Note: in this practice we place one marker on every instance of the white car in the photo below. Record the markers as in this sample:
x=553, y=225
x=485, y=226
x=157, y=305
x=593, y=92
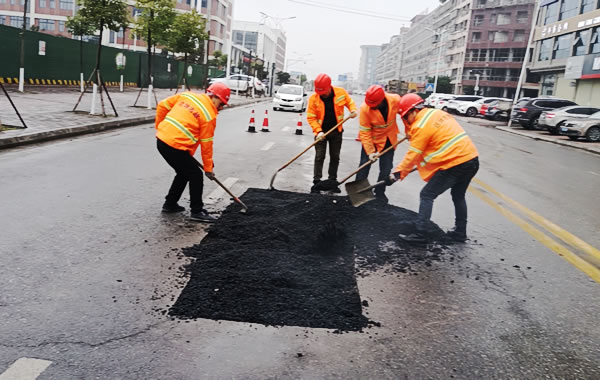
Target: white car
x=242, y=83
x=441, y=102
x=454, y=103
x=290, y=97
x=472, y=109
x=432, y=99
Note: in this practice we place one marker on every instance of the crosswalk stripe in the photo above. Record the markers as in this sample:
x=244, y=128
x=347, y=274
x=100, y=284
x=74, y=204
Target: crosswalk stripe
x=218, y=192
x=25, y=369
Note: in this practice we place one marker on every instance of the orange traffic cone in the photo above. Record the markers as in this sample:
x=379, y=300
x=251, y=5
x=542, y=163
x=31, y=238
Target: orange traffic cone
x=265, y=127
x=299, y=125
x=251, y=127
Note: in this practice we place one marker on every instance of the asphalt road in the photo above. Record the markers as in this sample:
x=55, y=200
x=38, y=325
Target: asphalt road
x=87, y=259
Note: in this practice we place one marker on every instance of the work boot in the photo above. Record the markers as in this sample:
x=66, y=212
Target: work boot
x=414, y=238
x=169, y=209
x=202, y=216
x=457, y=235
x=335, y=190
x=381, y=198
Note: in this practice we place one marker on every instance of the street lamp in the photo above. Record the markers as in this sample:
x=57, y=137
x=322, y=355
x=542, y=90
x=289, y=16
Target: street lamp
x=276, y=20
x=442, y=33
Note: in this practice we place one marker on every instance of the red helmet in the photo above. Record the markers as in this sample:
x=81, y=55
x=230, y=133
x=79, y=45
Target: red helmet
x=374, y=95
x=220, y=90
x=322, y=84
x=408, y=102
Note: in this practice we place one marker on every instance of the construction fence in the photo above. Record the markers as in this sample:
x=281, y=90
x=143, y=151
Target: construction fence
x=53, y=60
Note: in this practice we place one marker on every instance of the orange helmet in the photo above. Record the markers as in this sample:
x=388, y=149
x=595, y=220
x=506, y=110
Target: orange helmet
x=408, y=102
x=374, y=95
x=322, y=84
x=220, y=90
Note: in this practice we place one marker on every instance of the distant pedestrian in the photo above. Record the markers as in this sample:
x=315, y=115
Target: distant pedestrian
x=184, y=122
x=446, y=159
x=325, y=110
x=378, y=131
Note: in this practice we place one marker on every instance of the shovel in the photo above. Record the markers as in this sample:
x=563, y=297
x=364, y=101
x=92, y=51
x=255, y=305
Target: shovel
x=304, y=151
x=244, y=209
x=360, y=192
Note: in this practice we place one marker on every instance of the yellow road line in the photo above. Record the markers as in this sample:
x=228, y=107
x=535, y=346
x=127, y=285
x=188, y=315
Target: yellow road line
x=562, y=234
x=561, y=250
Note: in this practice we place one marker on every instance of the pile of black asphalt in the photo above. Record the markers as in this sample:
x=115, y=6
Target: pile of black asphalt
x=294, y=258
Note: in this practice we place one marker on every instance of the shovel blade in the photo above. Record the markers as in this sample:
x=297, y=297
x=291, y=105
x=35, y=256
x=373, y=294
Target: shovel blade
x=359, y=192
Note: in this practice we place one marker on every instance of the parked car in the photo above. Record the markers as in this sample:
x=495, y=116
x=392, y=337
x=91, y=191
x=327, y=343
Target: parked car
x=441, y=101
x=498, y=109
x=457, y=101
x=553, y=120
x=588, y=128
x=243, y=83
x=433, y=98
x=290, y=97
x=527, y=113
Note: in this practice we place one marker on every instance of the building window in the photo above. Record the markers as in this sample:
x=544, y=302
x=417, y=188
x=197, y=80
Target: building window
x=548, y=84
x=476, y=37
x=595, y=42
x=65, y=4
x=562, y=47
x=503, y=19
x=42, y=3
x=519, y=36
x=111, y=38
x=569, y=8
x=61, y=26
x=518, y=55
x=52, y=4
x=46, y=24
x=551, y=13
x=17, y=21
x=501, y=37
x=588, y=5
x=2, y=18
x=581, y=41
x=545, y=49
x=478, y=20
x=204, y=4
x=522, y=17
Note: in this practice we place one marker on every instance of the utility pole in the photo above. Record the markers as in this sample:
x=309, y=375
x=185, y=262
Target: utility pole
x=22, y=68
x=437, y=66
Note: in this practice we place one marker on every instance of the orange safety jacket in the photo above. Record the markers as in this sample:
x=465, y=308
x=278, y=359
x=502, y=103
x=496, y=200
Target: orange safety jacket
x=437, y=142
x=187, y=120
x=316, y=108
x=373, y=130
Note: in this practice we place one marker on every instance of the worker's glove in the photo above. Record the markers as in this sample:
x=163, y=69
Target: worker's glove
x=320, y=136
x=392, y=178
x=353, y=114
x=210, y=175
x=373, y=156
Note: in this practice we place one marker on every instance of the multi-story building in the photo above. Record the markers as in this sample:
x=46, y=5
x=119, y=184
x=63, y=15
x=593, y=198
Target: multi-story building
x=460, y=16
x=49, y=16
x=417, y=55
x=389, y=60
x=261, y=41
x=566, y=50
x=368, y=65
x=498, y=37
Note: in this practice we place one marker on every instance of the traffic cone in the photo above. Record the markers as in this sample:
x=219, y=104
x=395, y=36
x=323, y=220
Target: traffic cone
x=251, y=127
x=299, y=125
x=265, y=127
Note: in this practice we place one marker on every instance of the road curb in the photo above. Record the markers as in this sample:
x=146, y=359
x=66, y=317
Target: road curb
x=56, y=134
x=550, y=140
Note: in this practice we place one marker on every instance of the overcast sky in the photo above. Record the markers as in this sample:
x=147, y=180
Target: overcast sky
x=329, y=39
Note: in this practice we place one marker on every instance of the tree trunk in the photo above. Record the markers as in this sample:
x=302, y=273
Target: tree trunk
x=149, y=42
x=81, y=54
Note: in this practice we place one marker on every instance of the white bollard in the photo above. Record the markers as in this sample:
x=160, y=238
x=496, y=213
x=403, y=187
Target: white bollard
x=21, y=79
x=94, y=90
x=81, y=82
x=149, y=104
x=121, y=84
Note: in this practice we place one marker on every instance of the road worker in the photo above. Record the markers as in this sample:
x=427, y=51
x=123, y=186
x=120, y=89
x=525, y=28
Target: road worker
x=184, y=122
x=445, y=157
x=378, y=130
x=325, y=110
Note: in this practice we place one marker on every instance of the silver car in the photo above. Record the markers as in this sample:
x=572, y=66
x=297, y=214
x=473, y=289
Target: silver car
x=555, y=119
x=588, y=128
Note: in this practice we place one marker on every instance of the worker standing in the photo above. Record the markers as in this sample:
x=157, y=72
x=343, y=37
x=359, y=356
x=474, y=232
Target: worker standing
x=184, y=122
x=378, y=130
x=445, y=157
x=325, y=111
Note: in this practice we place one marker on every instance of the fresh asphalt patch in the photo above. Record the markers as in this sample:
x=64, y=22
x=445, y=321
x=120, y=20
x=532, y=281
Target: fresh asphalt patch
x=294, y=258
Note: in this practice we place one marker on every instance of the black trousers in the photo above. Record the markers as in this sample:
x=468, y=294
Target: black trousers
x=386, y=162
x=456, y=178
x=334, y=139
x=187, y=170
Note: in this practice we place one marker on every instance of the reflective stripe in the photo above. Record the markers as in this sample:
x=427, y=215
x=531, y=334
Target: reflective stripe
x=182, y=128
x=167, y=106
x=311, y=115
x=339, y=99
x=340, y=117
x=207, y=140
x=415, y=149
x=428, y=114
x=444, y=147
x=197, y=102
x=364, y=128
x=381, y=126
x=320, y=121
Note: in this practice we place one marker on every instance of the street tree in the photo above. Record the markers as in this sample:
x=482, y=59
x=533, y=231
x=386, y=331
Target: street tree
x=100, y=14
x=187, y=37
x=283, y=77
x=219, y=59
x=443, y=84
x=79, y=26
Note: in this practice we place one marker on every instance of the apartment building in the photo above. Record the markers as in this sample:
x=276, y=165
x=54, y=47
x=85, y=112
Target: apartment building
x=389, y=61
x=260, y=41
x=417, y=61
x=566, y=50
x=49, y=16
x=368, y=65
x=497, y=41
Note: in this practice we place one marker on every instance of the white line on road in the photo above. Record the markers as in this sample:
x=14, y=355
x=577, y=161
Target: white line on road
x=267, y=146
x=285, y=129
x=25, y=369
x=218, y=192
x=594, y=173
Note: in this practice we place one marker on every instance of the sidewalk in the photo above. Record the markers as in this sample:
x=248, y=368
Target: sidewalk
x=48, y=113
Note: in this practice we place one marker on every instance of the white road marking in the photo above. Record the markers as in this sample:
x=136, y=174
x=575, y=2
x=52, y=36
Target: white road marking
x=285, y=129
x=267, y=146
x=218, y=192
x=25, y=369
x=594, y=173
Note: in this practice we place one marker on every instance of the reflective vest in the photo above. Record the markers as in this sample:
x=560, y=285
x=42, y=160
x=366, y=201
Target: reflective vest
x=316, y=108
x=373, y=130
x=187, y=120
x=437, y=142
